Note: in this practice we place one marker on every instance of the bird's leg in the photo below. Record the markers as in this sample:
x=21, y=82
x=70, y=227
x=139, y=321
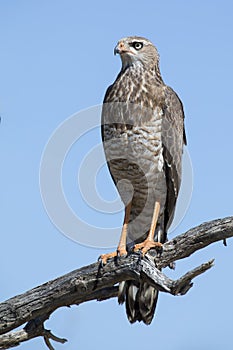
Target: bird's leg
x=121, y=248
x=149, y=241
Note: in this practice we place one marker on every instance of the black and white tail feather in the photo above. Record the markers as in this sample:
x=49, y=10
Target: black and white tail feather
x=140, y=298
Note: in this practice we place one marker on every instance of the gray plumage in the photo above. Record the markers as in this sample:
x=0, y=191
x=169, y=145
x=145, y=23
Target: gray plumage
x=143, y=136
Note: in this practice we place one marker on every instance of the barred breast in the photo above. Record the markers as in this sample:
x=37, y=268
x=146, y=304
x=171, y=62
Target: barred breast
x=133, y=148
x=132, y=139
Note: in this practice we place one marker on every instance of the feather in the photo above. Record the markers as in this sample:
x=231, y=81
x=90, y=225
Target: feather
x=143, y=136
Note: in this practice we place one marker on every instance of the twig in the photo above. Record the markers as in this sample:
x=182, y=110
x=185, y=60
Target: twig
x=96, y=282
x=33, y=329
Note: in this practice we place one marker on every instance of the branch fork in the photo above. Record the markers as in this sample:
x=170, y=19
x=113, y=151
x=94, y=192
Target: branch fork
x=96, y=282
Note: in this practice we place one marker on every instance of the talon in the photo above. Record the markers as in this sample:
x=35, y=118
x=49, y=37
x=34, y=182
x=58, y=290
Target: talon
x=100, y=261
x=121, y=252
x=145, y=246
x=105, y=257
x=118, y=253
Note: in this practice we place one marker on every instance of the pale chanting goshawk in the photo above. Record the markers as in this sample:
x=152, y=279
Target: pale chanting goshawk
x=143, y=137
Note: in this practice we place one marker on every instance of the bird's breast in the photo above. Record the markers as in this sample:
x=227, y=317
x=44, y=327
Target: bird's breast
x=134, y=153
x=132, y=117
x=135, y=141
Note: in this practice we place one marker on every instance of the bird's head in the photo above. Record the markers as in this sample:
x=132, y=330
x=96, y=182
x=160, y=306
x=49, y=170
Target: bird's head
x=135, y=49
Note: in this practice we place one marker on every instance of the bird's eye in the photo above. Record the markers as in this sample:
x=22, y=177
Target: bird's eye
x=137, y=45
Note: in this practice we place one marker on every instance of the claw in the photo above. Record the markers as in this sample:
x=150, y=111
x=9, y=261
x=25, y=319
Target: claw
x=105, y=257
x=118, y=253
x=145, y=246
x=100, y=261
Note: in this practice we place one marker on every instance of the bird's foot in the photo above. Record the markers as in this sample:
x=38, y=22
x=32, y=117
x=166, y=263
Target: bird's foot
x=147, y=245
x=119, y=252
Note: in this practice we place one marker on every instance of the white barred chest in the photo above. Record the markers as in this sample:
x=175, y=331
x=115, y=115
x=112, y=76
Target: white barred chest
x=134, y=153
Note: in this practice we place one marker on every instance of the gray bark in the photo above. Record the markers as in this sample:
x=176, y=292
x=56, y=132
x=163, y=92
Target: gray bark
x=100, y=282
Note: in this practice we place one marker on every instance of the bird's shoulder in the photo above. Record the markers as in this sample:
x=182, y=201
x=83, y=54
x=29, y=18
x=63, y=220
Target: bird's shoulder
x=174, y=110
x=106, y=96
x=111, y=89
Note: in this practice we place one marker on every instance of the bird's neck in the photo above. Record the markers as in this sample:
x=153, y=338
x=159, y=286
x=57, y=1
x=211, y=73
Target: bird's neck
x=128, y=64
x=138, y=69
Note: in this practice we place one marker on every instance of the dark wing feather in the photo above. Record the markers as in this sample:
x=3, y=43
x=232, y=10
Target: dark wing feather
x=106, y=100
x=173, y=139
x=102, y=116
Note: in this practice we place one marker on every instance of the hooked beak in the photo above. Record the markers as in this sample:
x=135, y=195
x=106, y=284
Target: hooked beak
x=120, y=48
x=116, y=50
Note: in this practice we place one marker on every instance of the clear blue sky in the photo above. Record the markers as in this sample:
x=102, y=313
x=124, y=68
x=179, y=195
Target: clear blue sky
x=56, y=58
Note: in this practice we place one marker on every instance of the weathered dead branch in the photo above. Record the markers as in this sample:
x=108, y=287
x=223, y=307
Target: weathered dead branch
x=100, y=283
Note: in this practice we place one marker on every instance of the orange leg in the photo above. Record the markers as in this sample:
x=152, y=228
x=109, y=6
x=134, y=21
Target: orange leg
x=149, y=241
x=121, y=248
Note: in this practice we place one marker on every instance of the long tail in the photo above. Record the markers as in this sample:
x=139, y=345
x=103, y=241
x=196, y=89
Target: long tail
x=140, y=298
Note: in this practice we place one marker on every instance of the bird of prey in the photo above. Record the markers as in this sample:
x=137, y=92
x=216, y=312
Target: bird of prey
x=143, y=136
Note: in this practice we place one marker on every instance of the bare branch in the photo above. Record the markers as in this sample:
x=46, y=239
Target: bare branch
x=33, y=329
x=195, y=239
x=97, y=282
